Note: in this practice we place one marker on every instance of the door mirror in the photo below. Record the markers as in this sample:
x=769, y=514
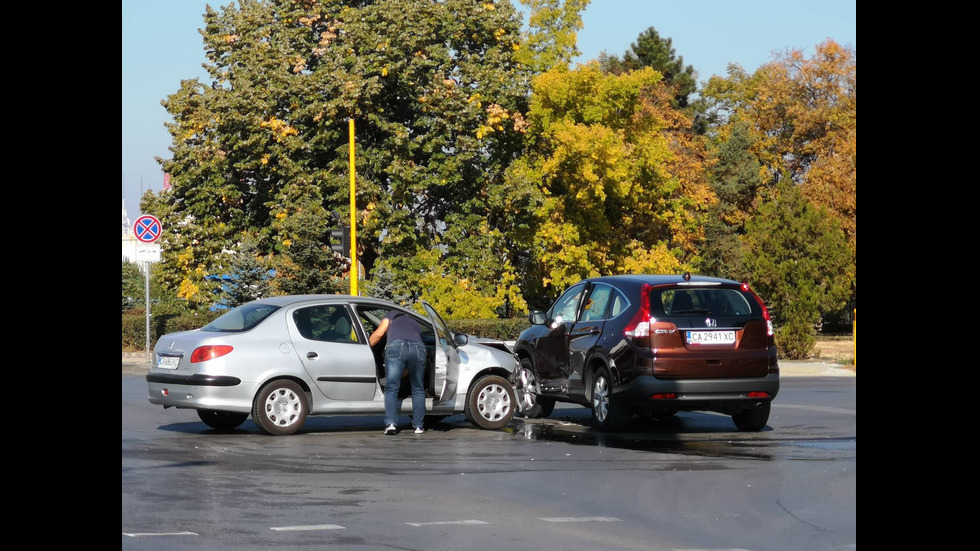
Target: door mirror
x=460, y=338
x=536, y=317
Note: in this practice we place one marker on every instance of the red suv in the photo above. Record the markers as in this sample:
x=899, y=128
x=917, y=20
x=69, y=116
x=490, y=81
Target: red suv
x=651, y=345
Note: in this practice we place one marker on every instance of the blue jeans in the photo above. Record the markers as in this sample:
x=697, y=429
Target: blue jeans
x=399, y=356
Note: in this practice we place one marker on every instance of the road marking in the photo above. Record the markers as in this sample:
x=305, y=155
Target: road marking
x=145, y=534
x=466, y=522
x=308, y=527
x=581, y=519
x=824, y=409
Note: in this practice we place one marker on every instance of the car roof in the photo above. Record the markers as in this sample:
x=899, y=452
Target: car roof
x=660, y=279
x=289, y=300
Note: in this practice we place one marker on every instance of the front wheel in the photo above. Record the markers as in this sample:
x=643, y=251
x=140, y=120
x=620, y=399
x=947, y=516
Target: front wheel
x=607, y=413
x=280, y=407
x=753, y=420
x=526, y=388
x=221, y=420
x=490, y=403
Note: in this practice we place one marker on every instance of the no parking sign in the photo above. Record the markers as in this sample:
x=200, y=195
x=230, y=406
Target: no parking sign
x=147, y=228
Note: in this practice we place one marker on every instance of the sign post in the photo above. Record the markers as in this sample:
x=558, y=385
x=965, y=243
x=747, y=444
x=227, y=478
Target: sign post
x=147, y=229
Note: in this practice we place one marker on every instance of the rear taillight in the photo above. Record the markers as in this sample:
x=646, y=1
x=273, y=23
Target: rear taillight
x=205, y=353
x=639, y=326
x=765, y=311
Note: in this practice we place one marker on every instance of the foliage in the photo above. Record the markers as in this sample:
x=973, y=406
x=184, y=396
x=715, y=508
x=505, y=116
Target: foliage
x=798, y=261
x=248, y=276
x=437, y=97
x=734, y=177
x=650, y=50
x=133, y=286
x=621, y=179
x=551, y=38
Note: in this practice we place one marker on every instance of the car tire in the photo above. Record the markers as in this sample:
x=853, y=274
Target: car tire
x=525, y=388
x=753, y=420
x=280, y=407
x=490, y=403
x=607, y=413
x=221, y=420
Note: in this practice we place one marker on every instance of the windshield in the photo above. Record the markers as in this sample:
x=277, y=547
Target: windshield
x=242, y=318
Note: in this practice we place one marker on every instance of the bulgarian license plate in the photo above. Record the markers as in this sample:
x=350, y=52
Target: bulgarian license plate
x=168, y=362
x=711, y=337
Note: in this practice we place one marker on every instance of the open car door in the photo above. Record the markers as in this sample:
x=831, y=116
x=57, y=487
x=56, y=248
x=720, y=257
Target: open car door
x=446, y=357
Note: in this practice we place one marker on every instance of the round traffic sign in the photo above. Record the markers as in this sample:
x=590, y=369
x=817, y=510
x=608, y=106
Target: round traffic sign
x=147, y=228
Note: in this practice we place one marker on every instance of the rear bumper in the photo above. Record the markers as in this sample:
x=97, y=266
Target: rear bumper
x=720, y=395
x=198, y=392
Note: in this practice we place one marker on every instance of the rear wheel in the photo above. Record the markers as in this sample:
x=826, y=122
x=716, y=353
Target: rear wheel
x=526, y=387
x=753, y=420
x=280, y=407
x=490, y=403
x=607, y=413
x=221, y=420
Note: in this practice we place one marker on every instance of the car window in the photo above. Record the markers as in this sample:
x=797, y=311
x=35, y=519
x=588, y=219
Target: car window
x=619, y=304
x=241, y=318
x=595, y=306
x=326, y=323
x=567, y=304
x=371, y=318
x=716, y=302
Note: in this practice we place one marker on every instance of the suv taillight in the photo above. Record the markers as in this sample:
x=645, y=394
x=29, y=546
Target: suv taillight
x=765, y=311
x=639, y=326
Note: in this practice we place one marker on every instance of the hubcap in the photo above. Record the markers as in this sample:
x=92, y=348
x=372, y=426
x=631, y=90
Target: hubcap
x=600, y=399
x=493, y=402
x=282, y=407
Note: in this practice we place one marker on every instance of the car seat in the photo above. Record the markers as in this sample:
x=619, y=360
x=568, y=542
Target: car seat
x=342, y=330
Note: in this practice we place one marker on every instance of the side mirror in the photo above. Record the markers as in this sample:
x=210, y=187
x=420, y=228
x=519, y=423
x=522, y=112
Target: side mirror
x=536, y=317
x=460, y=338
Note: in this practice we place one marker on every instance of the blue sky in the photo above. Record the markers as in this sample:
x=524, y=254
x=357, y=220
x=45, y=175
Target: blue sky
x=161, y=47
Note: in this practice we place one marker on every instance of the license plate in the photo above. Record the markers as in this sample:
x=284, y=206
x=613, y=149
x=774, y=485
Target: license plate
x=168, y=362
x=711, y=337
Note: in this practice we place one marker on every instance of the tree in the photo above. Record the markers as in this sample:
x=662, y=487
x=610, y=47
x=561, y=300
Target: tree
x=734, y=177
x=621, y=181
x=551, y=38
x=650, y=50
x=798, y=261
x=133, y=286
x=248, y=276
x=437, y=97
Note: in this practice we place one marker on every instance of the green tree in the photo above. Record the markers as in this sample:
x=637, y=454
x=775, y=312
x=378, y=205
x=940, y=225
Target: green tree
x=650, y=50
x=133, y=286
x=437, y=100
x=248, y=275
x=734, y=177
x=798, y=261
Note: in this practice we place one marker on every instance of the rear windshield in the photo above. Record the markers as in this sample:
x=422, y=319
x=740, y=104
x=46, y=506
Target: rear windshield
x=715, y=302
x=242, y=318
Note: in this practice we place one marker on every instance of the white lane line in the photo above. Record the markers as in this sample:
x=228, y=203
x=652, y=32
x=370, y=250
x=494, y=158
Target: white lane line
x=145, y=534
x=308, y=527
x=824, y=409
x=581, y=519
x=465, y=522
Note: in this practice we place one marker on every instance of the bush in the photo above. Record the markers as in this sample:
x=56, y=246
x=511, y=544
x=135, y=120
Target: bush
x=134, y=326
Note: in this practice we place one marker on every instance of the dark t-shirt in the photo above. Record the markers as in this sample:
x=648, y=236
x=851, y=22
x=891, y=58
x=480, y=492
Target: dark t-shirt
x=401, y=326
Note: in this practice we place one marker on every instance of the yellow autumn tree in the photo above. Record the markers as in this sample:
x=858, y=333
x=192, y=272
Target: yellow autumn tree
x=803, y=116
x=620, y=176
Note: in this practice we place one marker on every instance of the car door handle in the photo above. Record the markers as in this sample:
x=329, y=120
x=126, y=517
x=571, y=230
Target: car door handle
x=312, y=355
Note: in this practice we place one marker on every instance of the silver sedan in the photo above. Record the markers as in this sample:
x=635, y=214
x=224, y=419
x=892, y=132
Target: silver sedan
x=282, y=359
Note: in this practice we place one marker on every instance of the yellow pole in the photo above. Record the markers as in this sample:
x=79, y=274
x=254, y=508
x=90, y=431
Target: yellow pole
x=354, y=271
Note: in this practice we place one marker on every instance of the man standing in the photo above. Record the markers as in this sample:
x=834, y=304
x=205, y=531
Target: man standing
x=404, y=350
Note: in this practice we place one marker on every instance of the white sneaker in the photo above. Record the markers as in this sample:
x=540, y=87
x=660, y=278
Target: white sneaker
x=419, y=430
x=391, y=429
